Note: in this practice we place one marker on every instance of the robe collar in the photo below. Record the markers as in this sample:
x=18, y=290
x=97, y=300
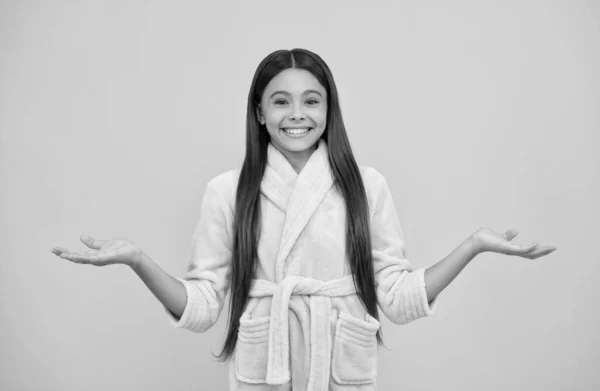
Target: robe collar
x=296, y=195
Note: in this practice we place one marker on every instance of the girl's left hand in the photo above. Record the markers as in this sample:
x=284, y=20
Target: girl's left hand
x=487, y=240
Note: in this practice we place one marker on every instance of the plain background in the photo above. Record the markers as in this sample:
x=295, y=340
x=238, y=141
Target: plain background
x=114, y=115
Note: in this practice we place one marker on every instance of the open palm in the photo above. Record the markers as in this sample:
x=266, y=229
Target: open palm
x=102, y=252
x=491, y=241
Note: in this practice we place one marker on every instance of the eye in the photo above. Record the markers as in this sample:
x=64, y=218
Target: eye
x=312, y=101
x=280, y=102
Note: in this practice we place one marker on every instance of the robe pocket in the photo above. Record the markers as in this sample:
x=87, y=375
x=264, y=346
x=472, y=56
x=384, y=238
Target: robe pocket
x=252, y=349
x=354, y=358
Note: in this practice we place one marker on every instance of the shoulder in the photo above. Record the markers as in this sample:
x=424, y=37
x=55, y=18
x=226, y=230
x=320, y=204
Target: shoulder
x=224, y=185
x=373, y=180
x=225, y=181
x=376, y=187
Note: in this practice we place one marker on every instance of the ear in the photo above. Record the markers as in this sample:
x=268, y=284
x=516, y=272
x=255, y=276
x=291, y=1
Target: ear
x=259, y=115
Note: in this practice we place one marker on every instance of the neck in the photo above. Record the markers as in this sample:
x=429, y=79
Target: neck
x=298, y=159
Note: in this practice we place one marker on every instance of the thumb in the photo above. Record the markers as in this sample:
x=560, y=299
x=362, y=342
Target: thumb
x=91, y=242
x=511, y=234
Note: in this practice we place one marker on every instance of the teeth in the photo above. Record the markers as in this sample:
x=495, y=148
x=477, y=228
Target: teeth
x=295, y=131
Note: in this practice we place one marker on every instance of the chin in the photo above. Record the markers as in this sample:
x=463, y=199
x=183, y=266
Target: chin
x=299, y=145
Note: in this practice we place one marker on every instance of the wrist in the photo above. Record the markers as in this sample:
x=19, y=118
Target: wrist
x=474, y=245
x=138, y=260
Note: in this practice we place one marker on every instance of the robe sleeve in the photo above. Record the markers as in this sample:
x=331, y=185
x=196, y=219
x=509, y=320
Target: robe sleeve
x=401, y=293
x=208, y=274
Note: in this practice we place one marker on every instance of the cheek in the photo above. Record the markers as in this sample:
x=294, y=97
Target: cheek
x=275, y=117
x=272, y=121
x=320, y=116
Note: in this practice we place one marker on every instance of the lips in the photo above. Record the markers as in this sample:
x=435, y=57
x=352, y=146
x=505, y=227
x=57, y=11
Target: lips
x=296, y=131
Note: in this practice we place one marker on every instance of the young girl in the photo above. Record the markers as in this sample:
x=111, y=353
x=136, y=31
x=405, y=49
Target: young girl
x=307, y=242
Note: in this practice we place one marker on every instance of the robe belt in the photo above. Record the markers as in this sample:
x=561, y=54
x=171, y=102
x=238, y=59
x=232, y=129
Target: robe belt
x=320, y=292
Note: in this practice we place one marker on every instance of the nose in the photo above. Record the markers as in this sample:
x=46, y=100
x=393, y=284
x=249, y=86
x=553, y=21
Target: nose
x=299, y=117
x=297, y=114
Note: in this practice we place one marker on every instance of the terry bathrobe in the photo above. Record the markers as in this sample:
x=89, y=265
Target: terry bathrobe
x=304, y=327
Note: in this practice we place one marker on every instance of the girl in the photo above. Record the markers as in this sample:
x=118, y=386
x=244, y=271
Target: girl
x=308, y=243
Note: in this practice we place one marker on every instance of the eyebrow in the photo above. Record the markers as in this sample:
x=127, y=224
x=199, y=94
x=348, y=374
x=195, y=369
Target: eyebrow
x=287, y=93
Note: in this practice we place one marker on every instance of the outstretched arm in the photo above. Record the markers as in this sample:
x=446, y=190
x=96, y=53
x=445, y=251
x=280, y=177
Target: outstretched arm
x=195, y=301
x=168, y=290
x=438, y=276
x=405, y=294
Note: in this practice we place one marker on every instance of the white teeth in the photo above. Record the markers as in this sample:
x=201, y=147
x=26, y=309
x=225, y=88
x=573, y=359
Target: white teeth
x=296, y=131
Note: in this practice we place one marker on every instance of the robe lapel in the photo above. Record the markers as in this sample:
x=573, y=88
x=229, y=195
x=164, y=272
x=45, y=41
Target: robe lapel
x=279, y=179
x=310, y=187
x=296, y=195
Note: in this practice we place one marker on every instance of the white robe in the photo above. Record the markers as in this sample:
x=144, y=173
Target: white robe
x=304, y=327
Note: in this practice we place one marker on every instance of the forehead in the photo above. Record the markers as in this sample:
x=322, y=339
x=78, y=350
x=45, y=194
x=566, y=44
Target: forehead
x=294, y=81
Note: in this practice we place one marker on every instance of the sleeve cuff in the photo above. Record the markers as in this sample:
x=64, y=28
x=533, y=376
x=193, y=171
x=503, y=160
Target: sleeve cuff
x=196, y=316
x=427, y=306
x=414, y=297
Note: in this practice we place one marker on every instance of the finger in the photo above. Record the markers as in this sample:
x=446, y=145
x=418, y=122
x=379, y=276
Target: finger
x=539, y=252
x=89, y=258
x=518, y=249
x=73, y=257
x=98, y=258
x=91, y=242
x=59, y=250
x=543, y=251
x=511, y=234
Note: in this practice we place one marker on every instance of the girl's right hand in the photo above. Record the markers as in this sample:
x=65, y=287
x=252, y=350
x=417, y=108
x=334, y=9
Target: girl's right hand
x=103, y=252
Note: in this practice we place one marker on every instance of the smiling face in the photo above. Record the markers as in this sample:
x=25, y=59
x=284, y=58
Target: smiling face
x=294, y=110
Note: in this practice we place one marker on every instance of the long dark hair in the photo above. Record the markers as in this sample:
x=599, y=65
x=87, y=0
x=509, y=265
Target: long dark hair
x=346, y=175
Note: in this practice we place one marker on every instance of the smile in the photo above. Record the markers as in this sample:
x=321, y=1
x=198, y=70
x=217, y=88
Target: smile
x=295, y=131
